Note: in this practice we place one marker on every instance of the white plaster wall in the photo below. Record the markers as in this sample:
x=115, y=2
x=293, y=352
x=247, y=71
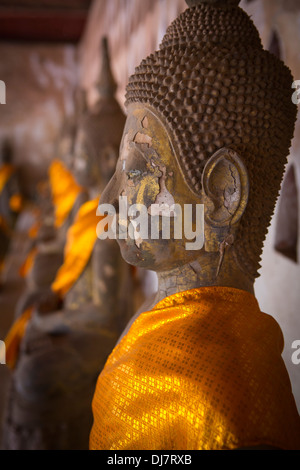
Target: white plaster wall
x=134, y=31
x=40, y=81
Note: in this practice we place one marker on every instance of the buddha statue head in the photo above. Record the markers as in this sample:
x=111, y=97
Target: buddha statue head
x=99, y=132
x=210, y=122
x=66, y=138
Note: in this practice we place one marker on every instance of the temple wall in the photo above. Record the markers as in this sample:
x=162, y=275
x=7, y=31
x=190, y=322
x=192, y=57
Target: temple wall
x=39, y=82
x=135, y=29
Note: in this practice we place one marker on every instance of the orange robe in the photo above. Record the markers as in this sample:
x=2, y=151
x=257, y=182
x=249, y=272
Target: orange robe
x=64, y=190
x=16, y=200
x=201, y=371
x=14, y=338
x=6, y=171
x=81, y=238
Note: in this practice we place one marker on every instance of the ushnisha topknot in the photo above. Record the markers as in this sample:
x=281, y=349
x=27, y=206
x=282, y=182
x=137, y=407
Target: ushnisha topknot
x=106, y=85
x=104, y=122
x=215, y=86
x=216, y=3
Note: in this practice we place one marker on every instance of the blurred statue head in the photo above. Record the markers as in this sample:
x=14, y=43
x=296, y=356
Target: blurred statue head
x=99, y=132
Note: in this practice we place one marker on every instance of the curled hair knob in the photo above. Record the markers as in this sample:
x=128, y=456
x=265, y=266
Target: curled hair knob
x=216, y=3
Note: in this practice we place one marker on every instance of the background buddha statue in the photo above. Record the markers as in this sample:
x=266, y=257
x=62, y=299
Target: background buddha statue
x=57, y=209
x=64, y=350
x=210, y=122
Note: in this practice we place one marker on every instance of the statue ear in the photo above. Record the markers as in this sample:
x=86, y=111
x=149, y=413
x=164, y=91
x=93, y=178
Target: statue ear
x=225, y=184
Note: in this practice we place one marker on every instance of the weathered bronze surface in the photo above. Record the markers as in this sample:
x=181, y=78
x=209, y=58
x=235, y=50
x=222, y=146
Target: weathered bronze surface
x=148, y=173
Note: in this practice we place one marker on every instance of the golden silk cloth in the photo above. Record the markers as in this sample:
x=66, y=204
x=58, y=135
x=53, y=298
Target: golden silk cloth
x=201, y=371
x=64, y=190
x=6, y=171
x=81, y=238
x=14, y=338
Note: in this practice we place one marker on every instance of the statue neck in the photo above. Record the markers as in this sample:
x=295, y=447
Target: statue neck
x=205, y=271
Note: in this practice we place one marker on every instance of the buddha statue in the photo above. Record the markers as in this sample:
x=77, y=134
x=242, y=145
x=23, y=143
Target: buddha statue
x=209, y=126
x=56, y=214
x=64, y=349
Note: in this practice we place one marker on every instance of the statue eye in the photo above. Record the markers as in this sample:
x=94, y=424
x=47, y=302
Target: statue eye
x=133, y=174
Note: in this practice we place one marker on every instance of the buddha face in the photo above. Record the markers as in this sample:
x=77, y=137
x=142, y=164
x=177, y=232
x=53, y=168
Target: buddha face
x=147, y=174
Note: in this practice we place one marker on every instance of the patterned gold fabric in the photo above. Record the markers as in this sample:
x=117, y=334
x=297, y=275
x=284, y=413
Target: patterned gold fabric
x=202, y=370
x=64, y=191
x=81, y=239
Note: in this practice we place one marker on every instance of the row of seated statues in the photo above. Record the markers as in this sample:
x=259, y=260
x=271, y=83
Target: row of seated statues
x=76, y=303
x=197, y=366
